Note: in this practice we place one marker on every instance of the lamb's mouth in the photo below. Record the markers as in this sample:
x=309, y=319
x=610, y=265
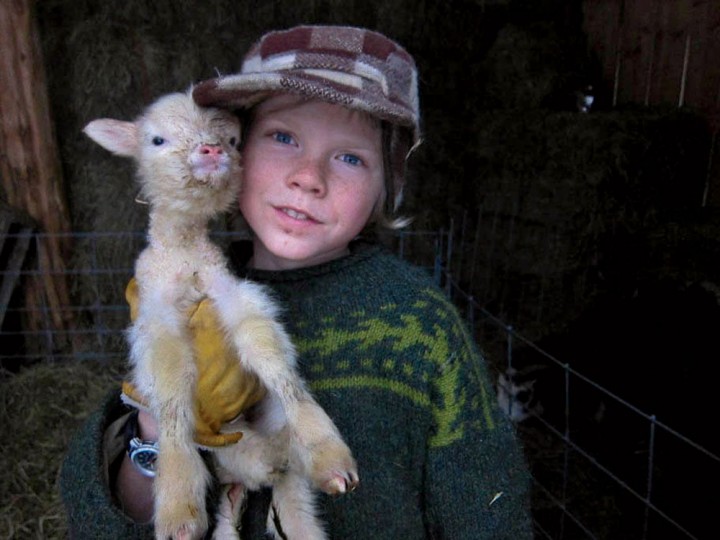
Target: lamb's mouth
x=217, y=178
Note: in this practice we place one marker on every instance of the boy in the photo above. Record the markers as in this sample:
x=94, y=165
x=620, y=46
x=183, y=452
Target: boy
x=333, y=114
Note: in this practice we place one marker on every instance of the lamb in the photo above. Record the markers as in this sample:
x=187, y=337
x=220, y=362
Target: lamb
x=189, y=172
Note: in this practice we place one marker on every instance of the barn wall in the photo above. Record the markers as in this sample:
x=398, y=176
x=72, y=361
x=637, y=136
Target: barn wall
x=661, y=53
x=555, y=199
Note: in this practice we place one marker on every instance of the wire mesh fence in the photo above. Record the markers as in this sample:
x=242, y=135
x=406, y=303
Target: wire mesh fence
x=602, y=466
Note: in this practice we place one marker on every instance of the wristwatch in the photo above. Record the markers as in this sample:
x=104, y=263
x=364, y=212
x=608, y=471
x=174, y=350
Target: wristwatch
x=143, y=454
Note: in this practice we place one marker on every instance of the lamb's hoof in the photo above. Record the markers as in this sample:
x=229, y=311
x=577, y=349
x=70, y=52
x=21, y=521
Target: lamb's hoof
x=180, y=512
x=334, y=469
x=180, y=520
x=193, y=530
x=341, y=483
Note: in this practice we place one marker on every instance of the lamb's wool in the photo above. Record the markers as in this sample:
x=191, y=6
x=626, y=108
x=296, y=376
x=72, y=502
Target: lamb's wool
x=188, y=167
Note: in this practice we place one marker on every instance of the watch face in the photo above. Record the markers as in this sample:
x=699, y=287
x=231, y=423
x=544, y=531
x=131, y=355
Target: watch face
x=144, y=456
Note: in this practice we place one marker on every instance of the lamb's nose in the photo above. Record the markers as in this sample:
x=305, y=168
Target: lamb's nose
x=211, y=149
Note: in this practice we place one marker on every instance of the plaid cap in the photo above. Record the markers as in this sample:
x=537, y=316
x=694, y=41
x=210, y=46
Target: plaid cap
x=354, y=67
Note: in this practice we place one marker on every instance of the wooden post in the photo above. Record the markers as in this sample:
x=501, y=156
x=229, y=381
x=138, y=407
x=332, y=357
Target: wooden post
x=30, y=169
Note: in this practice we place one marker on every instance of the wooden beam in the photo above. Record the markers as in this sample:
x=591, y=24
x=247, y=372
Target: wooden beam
x=30, y=169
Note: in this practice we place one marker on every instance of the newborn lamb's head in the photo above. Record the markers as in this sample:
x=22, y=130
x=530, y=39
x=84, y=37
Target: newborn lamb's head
x=186, y=155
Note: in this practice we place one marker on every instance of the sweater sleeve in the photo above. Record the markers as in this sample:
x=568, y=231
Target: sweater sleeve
x=477, y=483
x=89, y=506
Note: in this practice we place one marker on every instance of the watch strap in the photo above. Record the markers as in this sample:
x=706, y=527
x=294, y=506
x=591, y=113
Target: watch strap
x=142, y=453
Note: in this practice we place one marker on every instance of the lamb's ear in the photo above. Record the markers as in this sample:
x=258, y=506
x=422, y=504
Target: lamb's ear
x=119, y=137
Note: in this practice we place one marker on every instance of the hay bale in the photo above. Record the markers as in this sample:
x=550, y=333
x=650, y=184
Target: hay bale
x=40, y=409
x=564, y=207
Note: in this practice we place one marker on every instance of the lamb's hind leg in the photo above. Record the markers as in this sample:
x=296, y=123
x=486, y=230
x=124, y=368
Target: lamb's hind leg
x=292, y=513
x=232, y=501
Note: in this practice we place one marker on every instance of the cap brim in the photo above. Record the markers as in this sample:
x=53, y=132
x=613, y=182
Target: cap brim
x=234, y=92
x=245, y=90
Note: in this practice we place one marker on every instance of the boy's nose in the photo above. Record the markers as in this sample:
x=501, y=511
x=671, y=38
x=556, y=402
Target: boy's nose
x=310, y=175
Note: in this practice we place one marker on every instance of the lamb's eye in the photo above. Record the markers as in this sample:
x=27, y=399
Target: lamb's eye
x=233, y=140
x=157, y=140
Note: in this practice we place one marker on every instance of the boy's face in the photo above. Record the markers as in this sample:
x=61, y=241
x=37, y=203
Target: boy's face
x=312, y=175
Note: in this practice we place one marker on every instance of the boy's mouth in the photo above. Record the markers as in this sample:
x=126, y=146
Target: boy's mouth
x=296, y=214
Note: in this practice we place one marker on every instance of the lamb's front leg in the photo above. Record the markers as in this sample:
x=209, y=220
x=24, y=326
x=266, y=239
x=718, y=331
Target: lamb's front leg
x=322, y=450
x=163, y=357
x=182, y=479
x=252, y=322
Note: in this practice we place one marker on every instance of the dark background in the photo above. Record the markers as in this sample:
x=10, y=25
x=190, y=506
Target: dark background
x=552, y=209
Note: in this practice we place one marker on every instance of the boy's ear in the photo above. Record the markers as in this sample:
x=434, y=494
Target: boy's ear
x=119, y=137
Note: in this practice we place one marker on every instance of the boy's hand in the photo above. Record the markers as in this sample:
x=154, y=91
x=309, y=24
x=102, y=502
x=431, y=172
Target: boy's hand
x=224, y=389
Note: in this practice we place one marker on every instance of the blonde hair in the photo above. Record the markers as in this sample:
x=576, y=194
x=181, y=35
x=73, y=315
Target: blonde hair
x=384, y=216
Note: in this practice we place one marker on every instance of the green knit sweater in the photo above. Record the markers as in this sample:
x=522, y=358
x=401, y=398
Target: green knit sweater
x=388, y=357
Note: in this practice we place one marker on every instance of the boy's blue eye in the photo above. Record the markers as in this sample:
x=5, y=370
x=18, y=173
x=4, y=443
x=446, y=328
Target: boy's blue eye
x=283, y=138
x=351, y=159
